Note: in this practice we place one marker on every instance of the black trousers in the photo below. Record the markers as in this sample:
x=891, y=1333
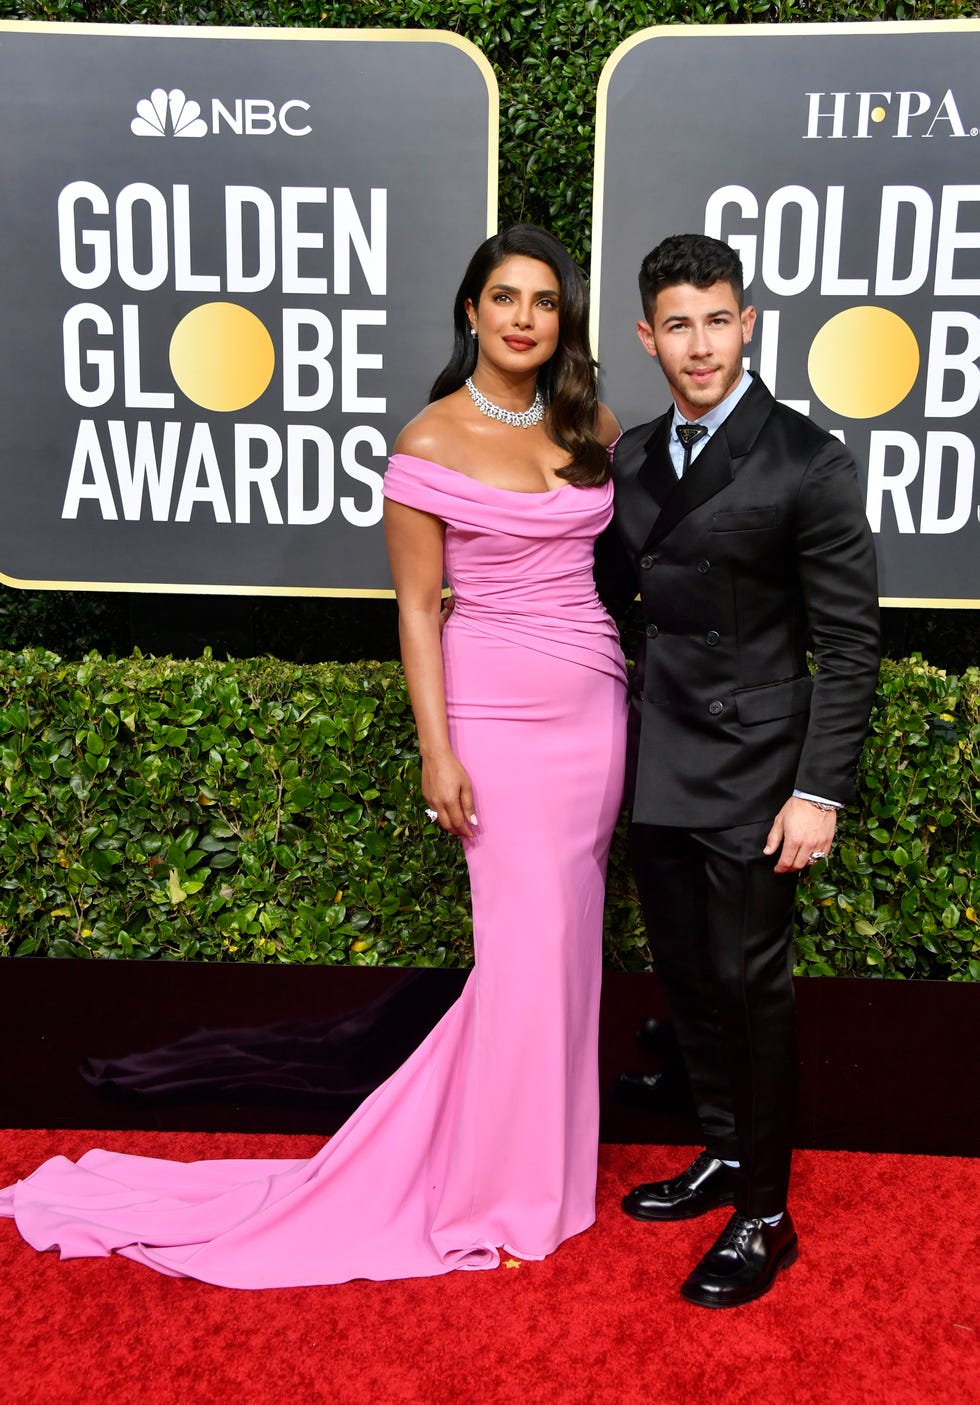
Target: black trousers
x=720, y=925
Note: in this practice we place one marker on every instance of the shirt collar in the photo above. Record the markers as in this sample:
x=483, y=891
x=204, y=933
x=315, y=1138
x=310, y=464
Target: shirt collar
x=716, y=416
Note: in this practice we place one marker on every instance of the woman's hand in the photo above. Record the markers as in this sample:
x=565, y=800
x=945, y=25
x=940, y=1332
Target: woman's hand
x=448, y=791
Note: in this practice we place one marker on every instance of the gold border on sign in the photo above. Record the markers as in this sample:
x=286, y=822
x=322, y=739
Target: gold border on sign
x=162, y=588
x=178, y=31
x=925, y=601
x=736, y=31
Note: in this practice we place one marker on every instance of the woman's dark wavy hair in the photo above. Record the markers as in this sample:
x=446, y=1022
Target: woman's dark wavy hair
x=568, y=380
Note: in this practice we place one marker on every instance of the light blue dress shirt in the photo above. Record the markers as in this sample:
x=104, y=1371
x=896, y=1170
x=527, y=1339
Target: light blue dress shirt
x=711, y=420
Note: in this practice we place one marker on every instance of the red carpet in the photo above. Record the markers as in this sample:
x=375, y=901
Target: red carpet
x=881, y=1306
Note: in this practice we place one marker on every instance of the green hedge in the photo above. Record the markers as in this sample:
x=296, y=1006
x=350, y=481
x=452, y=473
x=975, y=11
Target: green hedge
x=261, y=811
x=901, y=894
x=251, y=811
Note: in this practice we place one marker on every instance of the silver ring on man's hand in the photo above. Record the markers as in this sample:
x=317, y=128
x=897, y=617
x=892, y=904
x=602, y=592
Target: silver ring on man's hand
x=432, y=814
x=817, y=854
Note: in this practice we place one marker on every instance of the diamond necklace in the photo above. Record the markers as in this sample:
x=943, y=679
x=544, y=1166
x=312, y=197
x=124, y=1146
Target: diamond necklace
x=520, y=419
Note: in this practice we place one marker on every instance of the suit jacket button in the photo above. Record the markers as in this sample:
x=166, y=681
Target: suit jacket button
x=712, y=637
x=646, y=562
x=704, y=567
x=652, y=631
x=715, y=707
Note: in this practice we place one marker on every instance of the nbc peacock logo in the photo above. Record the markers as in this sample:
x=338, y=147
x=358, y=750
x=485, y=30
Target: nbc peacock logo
x=173, y=114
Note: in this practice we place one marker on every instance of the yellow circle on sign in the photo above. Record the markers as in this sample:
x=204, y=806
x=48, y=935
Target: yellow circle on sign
x=863, y=362
x=221, y=356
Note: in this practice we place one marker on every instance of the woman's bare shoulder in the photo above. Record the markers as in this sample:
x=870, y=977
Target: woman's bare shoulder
x=607, y=426
x=432, y=433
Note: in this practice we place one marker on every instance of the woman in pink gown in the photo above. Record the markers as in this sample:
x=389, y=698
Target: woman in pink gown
x=486, y=1137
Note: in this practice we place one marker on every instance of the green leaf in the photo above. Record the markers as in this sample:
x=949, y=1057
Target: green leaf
x=300, y=796
x=176, y=893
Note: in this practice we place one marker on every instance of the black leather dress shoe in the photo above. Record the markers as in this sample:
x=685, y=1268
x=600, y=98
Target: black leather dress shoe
x=704, y=1186
x=743, y=1262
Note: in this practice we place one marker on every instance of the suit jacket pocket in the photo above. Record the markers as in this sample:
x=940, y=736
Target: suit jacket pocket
x=773, y=700
x=746, y=519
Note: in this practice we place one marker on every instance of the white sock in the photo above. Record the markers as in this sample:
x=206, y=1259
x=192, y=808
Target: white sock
x=772, y=1219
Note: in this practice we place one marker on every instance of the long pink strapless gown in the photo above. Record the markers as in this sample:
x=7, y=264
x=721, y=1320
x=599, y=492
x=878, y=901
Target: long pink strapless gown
x=486, y=1137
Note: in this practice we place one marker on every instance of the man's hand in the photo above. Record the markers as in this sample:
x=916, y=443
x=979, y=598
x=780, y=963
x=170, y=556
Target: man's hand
x=802, y=830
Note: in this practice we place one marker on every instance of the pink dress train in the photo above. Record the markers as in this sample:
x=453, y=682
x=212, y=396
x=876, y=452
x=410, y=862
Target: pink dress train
x=486, y=1137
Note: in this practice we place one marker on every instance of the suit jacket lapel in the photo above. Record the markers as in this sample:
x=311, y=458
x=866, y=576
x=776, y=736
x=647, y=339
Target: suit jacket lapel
x=710, y=472
x=716, y=465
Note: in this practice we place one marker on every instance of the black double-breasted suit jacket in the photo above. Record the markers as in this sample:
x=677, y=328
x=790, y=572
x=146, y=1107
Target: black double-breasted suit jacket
x=759, y=554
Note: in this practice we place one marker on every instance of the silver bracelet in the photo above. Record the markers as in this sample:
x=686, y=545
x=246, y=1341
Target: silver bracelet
x=825, y=806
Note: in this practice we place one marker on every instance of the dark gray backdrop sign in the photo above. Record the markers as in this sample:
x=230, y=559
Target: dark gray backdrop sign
x=841, y=161
x=229, y=262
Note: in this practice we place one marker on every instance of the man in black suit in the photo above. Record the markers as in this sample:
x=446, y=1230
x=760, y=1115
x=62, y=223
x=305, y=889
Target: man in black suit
x=741, y=524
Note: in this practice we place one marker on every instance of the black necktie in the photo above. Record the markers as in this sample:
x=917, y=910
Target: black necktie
x=689, y=434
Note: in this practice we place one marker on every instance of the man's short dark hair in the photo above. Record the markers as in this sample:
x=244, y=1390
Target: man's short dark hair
x=689, y=258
